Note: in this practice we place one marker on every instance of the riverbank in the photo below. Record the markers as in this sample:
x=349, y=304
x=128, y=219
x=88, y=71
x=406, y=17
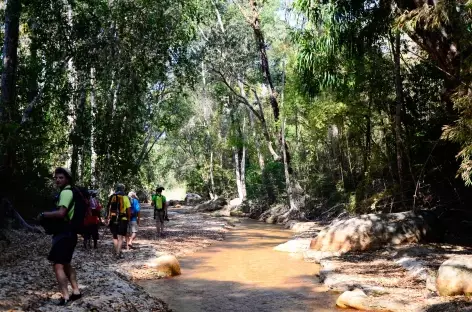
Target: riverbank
x=27, y=281
x=395, y=278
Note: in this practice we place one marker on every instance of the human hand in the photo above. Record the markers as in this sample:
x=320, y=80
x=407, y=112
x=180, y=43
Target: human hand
x=40, y=216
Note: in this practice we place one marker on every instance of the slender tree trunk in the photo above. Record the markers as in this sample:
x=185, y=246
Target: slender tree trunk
x=255, y=23
x=260, y=157
x=398, y=112
x=368, y=136
x=243, y=172
x=212, y=180
x=10, y=59
x=93, y=168
x=237, y=169
x=8, y=97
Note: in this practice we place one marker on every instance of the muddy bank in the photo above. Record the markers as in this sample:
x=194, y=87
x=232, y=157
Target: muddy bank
x=396, y=278
x=27, y=282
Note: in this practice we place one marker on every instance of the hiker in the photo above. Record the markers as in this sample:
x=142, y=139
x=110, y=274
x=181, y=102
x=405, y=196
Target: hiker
x=119, y=214
x=92, y=222
x=160, y=209
x=134, y=221
x=65, y=239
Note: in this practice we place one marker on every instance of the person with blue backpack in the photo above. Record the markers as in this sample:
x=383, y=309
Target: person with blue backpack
x=66, y=217
x=134, y=221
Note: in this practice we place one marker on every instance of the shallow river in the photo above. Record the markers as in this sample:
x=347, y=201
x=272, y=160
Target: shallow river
x=244, y=273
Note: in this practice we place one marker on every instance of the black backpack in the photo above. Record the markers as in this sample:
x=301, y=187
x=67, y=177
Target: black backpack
x=81, y=198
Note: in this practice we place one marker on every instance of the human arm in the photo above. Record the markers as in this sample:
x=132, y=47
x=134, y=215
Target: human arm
x=57, y=214
x=66, y=198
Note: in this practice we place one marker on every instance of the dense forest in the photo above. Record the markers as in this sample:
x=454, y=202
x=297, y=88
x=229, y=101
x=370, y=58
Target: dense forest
x=321, y=106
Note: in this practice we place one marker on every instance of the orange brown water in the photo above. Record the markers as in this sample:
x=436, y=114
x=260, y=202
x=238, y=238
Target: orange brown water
x=244, y=273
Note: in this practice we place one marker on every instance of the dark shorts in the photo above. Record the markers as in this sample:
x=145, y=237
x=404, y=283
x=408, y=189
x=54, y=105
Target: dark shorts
x=120, y=228
x=91, y=231
x=159, y=215
x=63, y=249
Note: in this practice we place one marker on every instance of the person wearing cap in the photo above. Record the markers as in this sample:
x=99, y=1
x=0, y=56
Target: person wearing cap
x=160, y=208
x=134, y=221
x=64, y=242
x=118, y=215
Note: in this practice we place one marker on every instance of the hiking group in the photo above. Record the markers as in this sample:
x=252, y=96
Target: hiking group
x=78, y=212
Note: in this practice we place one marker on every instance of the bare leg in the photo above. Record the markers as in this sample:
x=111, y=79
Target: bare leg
x=119, y=244
x=62, y=280
x=115, y=244
x=131, y=239
x=72, y=277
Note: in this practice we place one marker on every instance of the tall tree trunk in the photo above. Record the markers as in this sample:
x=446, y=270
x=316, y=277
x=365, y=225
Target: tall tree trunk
x=77, y=135
x=237, y=169
x=260, y=157
x=212, y=179
x=255, y=23
x=242, y=169
x=93, y=168
x=8, y=105
x=10, y=59
x=398, y=112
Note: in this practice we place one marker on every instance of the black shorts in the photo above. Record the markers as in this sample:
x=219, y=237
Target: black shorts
x=159, y=215
x=91, y=231
x=62, y=250
x=120, y=228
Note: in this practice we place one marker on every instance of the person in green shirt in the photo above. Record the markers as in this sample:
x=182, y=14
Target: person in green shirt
x=159, y=203
x=64, y=242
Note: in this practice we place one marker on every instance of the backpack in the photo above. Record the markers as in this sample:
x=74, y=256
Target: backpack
x=116, y=205
x=134, y=213
x=82, y=209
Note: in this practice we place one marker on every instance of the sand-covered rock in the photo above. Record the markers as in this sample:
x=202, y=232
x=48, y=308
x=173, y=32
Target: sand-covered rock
x=166, y=266
x=455, y=276
x=373, y=231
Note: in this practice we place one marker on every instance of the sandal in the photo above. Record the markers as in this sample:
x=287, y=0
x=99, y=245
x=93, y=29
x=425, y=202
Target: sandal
x=74, y=297
x=63, y=302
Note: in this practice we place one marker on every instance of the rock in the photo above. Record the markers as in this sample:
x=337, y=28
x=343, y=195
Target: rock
x=415, y=267
x=235, y=202
x=192, y=198
x=271, y=215
x=166, y=266
x=212, y=205
x=455, y=276
x=294, y=245
x=373, y=231
x=317, y=256
x=238, y=213
x=355, y=299
x=299, y=227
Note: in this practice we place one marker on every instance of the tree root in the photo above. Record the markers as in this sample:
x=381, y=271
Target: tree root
x=8, y=208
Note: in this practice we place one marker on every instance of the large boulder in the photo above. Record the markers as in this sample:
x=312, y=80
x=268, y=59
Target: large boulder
x=294, y=245
x=212, y=205
x=235, y=202
x=192, y=199
x=353, y=299
x=455, y=276
x=166, y=265
x=375, y=230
